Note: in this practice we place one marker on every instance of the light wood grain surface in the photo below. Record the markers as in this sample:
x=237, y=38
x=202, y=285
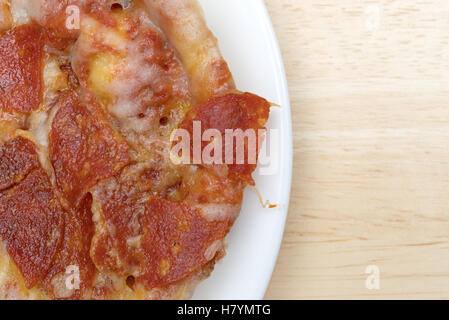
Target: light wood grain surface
x=369, y=85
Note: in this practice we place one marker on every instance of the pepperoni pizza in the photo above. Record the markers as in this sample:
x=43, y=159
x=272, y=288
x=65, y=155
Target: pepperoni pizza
x=87, y=188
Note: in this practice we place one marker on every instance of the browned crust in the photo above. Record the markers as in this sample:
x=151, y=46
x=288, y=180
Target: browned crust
x=183, y=23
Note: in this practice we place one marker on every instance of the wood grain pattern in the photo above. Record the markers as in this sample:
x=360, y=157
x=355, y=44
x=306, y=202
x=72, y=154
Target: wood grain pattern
x=369, y=85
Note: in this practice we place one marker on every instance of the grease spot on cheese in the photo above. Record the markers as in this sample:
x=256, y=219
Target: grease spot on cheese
x=164, y=267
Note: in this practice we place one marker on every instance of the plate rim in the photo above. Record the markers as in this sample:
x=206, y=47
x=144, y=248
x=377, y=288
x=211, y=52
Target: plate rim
x=279, y=91
x=283, y=91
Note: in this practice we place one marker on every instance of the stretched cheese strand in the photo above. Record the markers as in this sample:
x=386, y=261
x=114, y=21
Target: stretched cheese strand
x=183, y=23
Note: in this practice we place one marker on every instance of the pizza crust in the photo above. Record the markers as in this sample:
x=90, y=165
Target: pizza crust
x=184, y=25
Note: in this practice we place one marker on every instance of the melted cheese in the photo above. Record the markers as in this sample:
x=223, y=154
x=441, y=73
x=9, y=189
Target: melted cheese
x=103, y=68
x=39, y=121
x=24, y=10
x=54, y=79
x=12, y=286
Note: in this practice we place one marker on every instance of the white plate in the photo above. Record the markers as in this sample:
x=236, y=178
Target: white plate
x=249, y=45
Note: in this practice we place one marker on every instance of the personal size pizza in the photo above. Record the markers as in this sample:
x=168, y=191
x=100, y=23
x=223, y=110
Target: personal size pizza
x=91, y=204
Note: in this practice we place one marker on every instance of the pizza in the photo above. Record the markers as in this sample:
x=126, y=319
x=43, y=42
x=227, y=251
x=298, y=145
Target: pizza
x=91, y=204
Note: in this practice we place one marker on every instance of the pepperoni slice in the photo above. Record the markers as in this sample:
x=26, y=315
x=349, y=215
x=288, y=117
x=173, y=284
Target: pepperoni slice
x=122, y=209
x=21, y=52
x=73, y=253
x=231, y=112
x=83, y=147
x=177, y=242
x=31, y=223
x=160, y=242
x=17, y=159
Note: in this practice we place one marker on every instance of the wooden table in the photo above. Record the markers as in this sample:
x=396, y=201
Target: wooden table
x=369, y=85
